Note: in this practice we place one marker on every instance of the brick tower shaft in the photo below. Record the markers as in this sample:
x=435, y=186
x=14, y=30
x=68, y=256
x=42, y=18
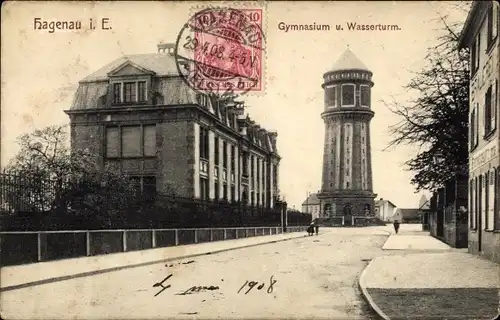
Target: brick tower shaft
x=347, y=184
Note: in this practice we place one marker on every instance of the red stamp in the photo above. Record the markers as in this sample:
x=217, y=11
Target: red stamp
x=221, y=50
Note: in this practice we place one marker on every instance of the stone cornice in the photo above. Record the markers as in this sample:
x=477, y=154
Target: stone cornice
x=345, y=194
x=348, y=113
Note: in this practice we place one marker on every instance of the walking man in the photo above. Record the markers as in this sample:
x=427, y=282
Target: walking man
x=396, y=226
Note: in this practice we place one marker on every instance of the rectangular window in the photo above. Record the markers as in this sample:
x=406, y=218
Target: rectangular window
x=258, y=173
x=348, y=94
x=217, y=190
x=331, y=96
x=365, y=96
x=252, y=175
x=216, y=151
x=489, y=118
x=275, y=176
x=112, y=142
x=204, y=146
x=233, y=194
x=492, y=24
x=141, y=90
x=204, y=192
x=224, y=154
x=129, y=92
x=224, y=191
x=233, y=159
x=117, y=93
x=472, y=129
x=149, y=134
x=131, y=141
x=244, y=156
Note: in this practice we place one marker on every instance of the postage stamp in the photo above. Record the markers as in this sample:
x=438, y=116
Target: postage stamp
x=222, y=50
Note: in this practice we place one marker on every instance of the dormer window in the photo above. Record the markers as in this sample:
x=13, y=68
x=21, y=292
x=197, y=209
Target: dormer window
x=130, y=92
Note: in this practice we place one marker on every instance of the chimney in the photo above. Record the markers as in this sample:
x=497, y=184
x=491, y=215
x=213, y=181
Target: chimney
x=166, y=47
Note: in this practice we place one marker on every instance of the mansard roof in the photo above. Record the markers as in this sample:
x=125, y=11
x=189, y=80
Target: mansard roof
x=162, y=64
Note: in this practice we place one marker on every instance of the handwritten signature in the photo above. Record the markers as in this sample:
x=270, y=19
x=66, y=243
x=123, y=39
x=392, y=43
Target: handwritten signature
x=252, y=284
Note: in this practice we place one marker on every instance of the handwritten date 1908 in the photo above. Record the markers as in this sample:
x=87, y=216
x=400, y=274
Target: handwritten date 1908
x=252, y=284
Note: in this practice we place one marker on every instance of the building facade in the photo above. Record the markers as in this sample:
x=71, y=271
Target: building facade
x=312, y=205
x=384, y=209
x=480, y=35
x=139, y=118
x=347, y=185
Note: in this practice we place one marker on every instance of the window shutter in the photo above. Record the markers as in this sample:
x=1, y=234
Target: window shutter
x=494, y=20
x=131, y=141
x=491, y=200
x=476, y=133
x=112, y=141
x=150, y=140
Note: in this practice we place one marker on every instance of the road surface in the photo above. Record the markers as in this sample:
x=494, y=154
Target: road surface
x=314, y=277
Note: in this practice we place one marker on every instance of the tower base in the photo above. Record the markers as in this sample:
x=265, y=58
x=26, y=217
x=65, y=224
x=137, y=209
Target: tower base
x=347, y=208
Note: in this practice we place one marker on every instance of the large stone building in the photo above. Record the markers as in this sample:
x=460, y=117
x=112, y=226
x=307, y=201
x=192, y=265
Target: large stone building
x=480, y=35
x=139, y=118
x=347, y=186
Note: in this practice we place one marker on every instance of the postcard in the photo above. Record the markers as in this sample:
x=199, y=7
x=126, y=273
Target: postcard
x=249, y=160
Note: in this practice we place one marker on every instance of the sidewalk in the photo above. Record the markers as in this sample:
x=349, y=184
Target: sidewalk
x=421, y=283
x=16, y=277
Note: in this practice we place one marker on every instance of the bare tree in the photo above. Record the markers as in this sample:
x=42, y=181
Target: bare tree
x=46, y=175
x=437, y=120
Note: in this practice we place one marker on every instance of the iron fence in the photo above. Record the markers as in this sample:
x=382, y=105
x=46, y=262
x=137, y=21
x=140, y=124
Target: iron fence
x=37, y=203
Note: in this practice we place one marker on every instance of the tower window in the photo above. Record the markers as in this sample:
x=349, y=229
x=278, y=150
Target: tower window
x=365, y=95
x=348, y=94
x=331, y=96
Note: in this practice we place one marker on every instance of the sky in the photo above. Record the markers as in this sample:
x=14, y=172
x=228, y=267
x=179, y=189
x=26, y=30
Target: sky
x=40, y=71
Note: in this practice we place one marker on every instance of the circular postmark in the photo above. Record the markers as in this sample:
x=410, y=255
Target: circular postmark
x=219, y=51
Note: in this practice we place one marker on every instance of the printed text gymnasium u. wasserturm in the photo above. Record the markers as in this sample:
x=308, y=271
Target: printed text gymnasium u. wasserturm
x=351, y=26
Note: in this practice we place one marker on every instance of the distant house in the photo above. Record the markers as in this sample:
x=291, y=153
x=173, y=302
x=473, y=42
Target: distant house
x=407, y=215
x=384, y=209
x=312, y=205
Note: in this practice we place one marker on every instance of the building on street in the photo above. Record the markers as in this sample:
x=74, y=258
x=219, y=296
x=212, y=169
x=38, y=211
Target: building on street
x=407, y=215
x=312, y=205
x=384, y=209
x=139, y=118
x=480, y=36
x=347, y=185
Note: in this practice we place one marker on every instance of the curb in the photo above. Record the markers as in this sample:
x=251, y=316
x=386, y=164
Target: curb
x=95, y=272
x=367, y=296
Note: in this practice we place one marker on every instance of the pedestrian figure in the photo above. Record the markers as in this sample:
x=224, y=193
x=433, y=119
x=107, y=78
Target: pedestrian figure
x=310, y=229
x=396, y=226
x=317, y=228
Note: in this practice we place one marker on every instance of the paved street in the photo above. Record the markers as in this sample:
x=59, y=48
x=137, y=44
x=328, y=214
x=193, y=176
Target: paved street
x=313, y=277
